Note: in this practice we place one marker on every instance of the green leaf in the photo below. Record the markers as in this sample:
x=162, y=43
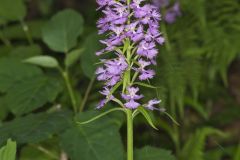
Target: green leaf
x=43, y=61
x=62, y=31
x=152, y=153
x=4, y=50
x=101, y=115
x=8, y=152
x=3, y=109
x=171, y=118
x=20, y=52
x=2, y=21
x=147, y=116
x=12, y=10
x=73, y=57
x=194, y=147
x=144, y=85
x=89, y=58
x=99, y=140
x=12, y=72
x=26, y=87
x=32, y=93
x=35, y=127
x=23, y=52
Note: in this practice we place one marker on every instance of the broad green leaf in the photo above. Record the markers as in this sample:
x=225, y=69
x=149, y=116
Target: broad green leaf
x=20, y=52
x=194, y=147
x=4, y=50
x=147, y=117
x=73, y=57
x=3, y=109
x=35, y=127
x=43, y=61
x=12, y=72
x=12, y=10
x=62, y=31
x=26, y=87
x=32, y=93
x=152, y=153
x=89, y=58
x=8, y=152
x=23, y=52
x=2, y=21
x=99, y=140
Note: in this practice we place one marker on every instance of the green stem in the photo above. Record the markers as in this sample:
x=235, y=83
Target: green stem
x=129, y=135
x=70, y=90
x=45, y=151
x=27, y=32
x=87, y=94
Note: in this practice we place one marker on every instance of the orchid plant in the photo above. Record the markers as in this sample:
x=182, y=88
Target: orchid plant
x=132, y=29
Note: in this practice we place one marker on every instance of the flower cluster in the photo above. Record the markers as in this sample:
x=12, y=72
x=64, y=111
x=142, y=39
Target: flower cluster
x=132, y=29
x=172, y=12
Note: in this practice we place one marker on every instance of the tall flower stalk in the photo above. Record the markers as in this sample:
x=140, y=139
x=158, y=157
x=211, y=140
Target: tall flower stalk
x=132, y=35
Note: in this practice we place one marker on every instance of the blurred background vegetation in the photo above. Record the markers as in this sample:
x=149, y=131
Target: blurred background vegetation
x=198, y=79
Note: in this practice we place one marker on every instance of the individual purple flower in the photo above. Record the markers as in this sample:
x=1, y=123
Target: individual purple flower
x=103, y=3
x=101, y=104
x=161, y=3
x=112, y=70
x=135, y=31
x=145, y=73
x=131, y=96
x=173, y=13
x=151, y=104
x=106, y=92
x=147, y=49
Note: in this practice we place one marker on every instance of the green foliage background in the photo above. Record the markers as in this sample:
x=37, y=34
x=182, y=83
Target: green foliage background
x=48, y=46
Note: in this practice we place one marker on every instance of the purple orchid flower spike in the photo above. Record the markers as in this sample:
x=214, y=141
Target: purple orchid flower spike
x=133, y=35
x=135, y=22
